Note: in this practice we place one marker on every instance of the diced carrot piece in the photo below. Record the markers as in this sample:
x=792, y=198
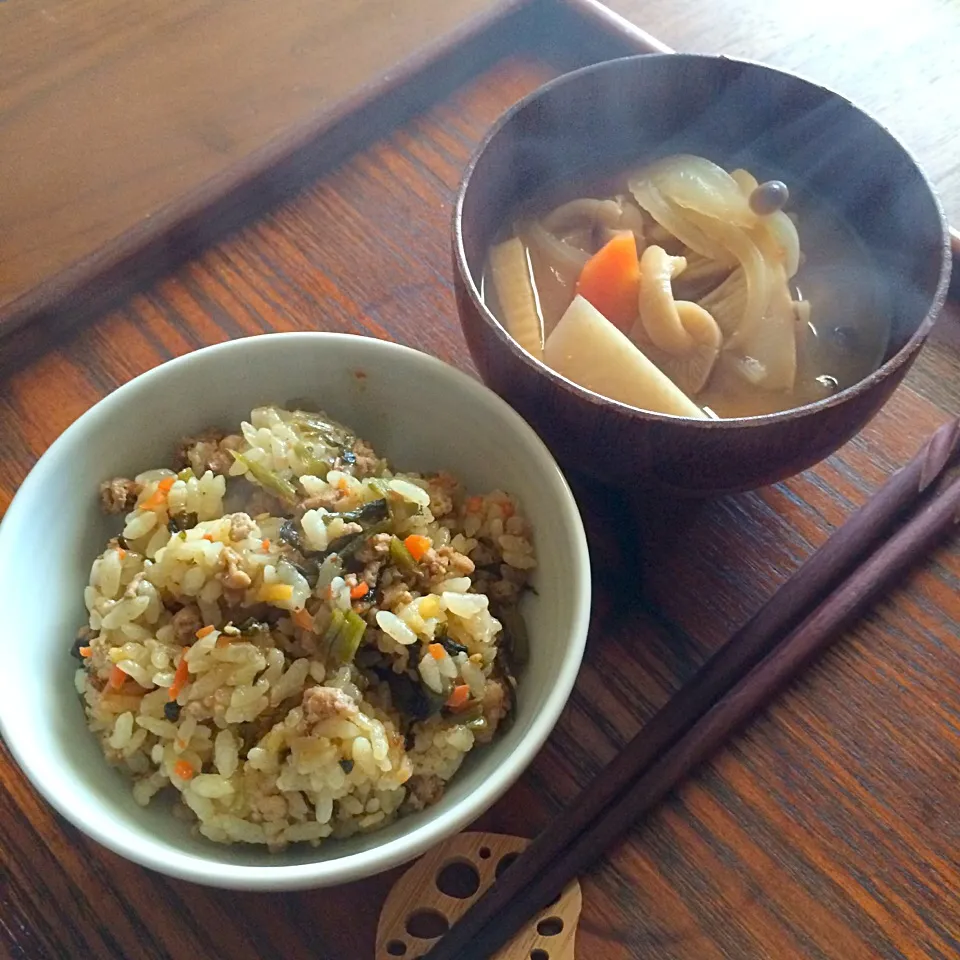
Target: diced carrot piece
x=303, y=619
x=264, y=544
x=121, y=553
x=180, y=677
x=183, y=770
x=205, y=631
x=437, y=651
x=85, y=652
x=610, y=280
x=460, y=695
x=359, y=591
x=159, y=496
x=208, y=536
x=417, y=546
x=222, y=641
x=117, y=676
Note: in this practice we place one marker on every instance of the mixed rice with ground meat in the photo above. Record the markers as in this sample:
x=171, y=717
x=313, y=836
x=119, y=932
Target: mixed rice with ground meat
x=298, y=640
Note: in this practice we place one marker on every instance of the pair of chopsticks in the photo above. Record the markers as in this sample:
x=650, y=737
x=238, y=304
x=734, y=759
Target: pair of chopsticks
x=862, y=559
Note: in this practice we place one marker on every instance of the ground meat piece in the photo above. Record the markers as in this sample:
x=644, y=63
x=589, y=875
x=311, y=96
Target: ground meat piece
x=434, y=567
x=484, y=555
x=209, y=450
x=396, y=595
x=376, y=548
x=241, y=526
x=496, y=705
x=370, y=575
x=232, y=577
x=442, y=489
x=186, y=623
x=442, y=563
x=325, y=703
x=506, y=591
x=349, y=529
x=458, y=562
x=367, y=463
x=328, y=500
x=424, y=790
x=119, y=495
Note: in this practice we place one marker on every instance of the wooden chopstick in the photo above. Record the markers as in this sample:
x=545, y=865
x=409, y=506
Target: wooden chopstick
x=742, y=676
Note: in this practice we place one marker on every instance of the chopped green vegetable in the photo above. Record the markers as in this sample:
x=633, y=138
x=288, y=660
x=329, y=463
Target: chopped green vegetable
x=451, y=646
x=309, y=570
x=401, y=556
x=473, y=711
x=268, y=479
x=347, y=642
x=185, y=474
x=329, y=432
x=290, y=534
x=312, y=464
x=412, y=699
x=253, y=629
x=400, y=510
x=368, y=513
x=331, y=568
x=336, y=625
x=346, y=547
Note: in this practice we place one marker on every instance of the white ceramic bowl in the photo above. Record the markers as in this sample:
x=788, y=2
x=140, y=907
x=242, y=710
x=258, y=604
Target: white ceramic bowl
x=418, y=411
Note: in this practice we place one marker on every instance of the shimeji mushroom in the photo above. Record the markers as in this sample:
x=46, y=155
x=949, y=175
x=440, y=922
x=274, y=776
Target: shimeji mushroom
x=681, y=337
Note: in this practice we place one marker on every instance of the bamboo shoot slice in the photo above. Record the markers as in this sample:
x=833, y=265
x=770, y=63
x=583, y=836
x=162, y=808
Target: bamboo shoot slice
x=588, y=349
x=510, y=272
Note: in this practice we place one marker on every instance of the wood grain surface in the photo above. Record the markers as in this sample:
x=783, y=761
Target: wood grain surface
x=119, y=121
x=831, y=828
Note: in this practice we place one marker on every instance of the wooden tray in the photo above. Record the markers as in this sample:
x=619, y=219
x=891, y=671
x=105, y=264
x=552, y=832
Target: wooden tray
x=131, y=141
x=819, y=834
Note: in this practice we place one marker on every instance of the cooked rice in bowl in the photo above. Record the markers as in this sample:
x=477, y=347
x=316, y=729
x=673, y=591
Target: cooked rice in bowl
x=297, y=640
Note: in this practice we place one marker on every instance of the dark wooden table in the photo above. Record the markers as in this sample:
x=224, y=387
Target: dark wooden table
x=831, y=828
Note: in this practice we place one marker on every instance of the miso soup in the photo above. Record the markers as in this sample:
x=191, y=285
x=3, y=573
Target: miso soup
x=685, y=289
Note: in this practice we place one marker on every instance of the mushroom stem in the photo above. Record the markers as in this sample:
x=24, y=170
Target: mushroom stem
x=676, y=326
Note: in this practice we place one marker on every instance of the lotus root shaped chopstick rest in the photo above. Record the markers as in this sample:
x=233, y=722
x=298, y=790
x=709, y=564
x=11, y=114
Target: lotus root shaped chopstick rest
x=436, y=891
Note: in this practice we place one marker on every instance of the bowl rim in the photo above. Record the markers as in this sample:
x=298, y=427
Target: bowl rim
x=537, y=367
x=410, y=844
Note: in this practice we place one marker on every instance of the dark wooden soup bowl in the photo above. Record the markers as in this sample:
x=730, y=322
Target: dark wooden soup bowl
x=613, y=114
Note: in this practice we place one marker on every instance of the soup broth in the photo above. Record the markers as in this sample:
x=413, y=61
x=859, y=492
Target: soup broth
x=832, y=309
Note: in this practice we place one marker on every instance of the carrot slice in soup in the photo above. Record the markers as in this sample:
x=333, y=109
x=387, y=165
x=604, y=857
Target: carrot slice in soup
x=610, y=280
